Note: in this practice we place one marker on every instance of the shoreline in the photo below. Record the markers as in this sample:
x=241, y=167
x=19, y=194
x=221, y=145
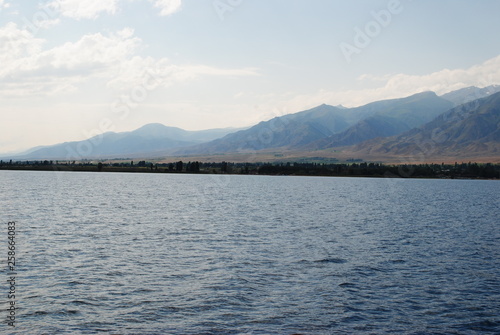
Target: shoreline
x=468, y=171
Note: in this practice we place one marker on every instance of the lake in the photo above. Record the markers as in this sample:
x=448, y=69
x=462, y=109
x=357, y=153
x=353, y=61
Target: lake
x=122, y=253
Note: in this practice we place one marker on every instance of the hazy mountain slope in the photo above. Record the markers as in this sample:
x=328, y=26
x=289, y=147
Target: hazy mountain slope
x=391, y=118
x=147, y=140
x=371, y=127
x=291, y=130
x=470, y=129
x=471, y=93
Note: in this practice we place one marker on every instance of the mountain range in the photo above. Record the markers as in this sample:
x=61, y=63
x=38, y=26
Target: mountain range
x=326, y=126
x=460, y=123
x=391, y=118
x=472, y=128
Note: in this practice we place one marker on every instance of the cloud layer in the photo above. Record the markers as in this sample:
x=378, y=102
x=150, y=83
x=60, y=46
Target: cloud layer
x=401, y=85
x=28, y=68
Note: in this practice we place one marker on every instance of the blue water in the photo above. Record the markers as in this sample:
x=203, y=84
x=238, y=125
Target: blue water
x=125, y=253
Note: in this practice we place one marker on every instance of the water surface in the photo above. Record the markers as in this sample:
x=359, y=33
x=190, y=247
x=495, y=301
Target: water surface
x=204, y=254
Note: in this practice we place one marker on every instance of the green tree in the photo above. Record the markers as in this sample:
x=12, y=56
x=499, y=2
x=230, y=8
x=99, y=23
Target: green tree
x=178, y=166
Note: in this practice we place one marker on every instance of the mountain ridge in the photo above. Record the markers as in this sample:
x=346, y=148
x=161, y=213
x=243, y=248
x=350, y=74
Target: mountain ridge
x=471, y=127
x=150, y=139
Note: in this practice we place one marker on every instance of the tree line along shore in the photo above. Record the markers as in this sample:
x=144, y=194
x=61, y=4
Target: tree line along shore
x=468, y=170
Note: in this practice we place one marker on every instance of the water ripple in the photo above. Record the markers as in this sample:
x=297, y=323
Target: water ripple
x=178, y=254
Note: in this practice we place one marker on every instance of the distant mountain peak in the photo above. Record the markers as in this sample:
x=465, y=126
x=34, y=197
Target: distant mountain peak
x=322, y=106
x=424, y=94
x=154, y=127
x=471, y=93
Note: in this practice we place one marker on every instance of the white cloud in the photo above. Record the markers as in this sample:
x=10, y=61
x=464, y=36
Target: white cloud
x=161, y=72
x=84, y=9
x=167, y=7
x=93, y=52
x=28, y=69
x=4, y=4
x=401, y=85
x=91, y=9
x=447, y=80
x=16, y=43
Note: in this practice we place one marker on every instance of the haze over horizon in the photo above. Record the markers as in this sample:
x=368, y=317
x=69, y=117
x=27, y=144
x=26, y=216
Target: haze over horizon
x=73, y=69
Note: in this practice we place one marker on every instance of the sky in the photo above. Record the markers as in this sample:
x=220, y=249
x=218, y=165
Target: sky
x=71, y=69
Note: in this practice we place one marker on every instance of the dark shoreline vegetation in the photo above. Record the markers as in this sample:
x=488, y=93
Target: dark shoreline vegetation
x=468, y=170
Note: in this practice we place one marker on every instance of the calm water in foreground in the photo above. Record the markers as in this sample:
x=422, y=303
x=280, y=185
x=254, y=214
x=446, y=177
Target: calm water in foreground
x=194, y=254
